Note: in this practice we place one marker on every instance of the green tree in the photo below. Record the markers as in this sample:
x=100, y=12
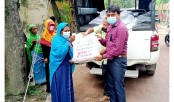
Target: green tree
x=158, y=2
x=165, y=1
x=65, y=12
x=61, y=15
x=107, y=2
x=123, y=3
x=56, y=11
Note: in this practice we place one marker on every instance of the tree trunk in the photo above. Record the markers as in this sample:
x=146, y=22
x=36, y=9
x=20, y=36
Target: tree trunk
x=15, y=58
x=56, y=11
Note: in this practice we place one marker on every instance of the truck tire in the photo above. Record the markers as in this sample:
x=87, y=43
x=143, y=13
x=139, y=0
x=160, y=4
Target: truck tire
x=150, y=69
x=167, y=40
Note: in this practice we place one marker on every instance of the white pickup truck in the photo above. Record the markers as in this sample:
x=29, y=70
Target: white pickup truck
x=143, y=47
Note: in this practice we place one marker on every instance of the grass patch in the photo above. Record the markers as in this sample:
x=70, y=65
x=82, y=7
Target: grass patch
x=37, y=92
x=34, y=90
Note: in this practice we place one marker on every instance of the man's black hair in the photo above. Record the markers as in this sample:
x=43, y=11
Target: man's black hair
x=53, y=18
x=113, y=8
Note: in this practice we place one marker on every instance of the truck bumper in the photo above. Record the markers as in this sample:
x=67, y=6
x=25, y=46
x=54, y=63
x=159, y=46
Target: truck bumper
x=153, y=59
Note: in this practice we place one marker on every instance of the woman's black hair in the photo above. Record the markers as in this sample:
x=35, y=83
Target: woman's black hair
x=113, y=8
x=53, y=18
x=67, y=26
x=64, y=27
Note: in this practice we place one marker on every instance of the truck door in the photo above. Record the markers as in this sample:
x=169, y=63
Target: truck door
x=139, y=44
x=85, y=11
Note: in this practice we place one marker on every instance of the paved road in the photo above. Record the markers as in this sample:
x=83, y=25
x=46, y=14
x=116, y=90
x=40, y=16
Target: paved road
x=155, y=88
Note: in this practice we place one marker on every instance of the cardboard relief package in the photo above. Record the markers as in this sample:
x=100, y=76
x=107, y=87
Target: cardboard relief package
x=85, y=48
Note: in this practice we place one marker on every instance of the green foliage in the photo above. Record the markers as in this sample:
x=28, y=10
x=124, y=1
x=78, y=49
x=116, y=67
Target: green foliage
x=158, y=2
x=106, y=4
x=125, y=3
x=34, y=91
x=37, y=92
x=24, y=3
x=65, y=12
x=165, y=1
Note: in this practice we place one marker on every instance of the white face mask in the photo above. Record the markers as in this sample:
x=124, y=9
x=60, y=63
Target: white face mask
x=51, y=28
x=112, y=20
x=66, y=35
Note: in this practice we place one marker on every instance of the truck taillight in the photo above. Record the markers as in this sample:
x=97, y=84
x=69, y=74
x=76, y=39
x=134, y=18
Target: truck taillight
x=154, y=43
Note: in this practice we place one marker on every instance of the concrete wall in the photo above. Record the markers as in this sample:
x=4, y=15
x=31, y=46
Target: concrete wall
x=35, y=11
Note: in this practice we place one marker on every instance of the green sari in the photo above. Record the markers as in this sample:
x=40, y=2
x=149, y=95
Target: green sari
x=37, y=48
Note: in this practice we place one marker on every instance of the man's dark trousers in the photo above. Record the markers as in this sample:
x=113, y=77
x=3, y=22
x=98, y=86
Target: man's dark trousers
x=116, y=73
x=105, y=78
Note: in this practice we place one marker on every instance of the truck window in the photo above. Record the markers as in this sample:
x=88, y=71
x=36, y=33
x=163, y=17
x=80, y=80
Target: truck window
x=142, y=10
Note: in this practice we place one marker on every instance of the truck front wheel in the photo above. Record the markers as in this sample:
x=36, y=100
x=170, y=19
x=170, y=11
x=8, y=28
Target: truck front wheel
x=150, y=69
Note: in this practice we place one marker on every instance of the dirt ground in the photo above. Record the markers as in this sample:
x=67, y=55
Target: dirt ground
x=89, y=88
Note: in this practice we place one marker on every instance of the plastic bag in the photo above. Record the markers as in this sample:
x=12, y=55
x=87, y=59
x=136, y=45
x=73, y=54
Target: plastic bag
x=99, y=19
x=85, y=48
x=128, y=19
